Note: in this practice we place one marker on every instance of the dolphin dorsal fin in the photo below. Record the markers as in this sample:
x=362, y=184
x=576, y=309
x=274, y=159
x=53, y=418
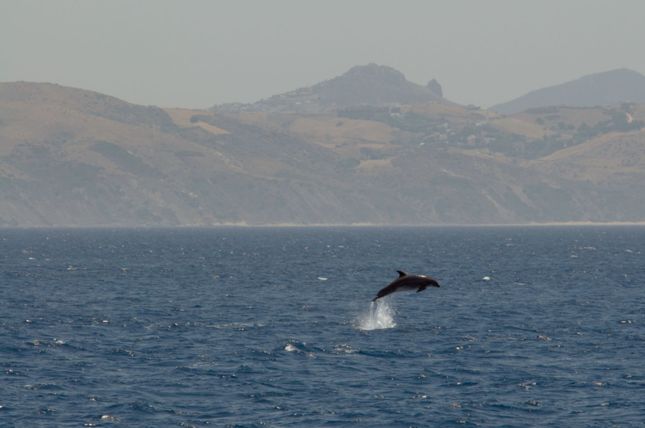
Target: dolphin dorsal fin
x=401, y=273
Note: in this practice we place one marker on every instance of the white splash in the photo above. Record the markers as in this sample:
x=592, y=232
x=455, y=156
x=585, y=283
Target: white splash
x=380, y=315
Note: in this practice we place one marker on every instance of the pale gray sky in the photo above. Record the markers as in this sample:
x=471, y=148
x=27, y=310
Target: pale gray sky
x=196, y=53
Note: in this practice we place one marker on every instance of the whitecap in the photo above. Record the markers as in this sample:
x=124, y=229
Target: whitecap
x=289, y=347
x=344, y=348
x=109, y=418
x=242, y=326
x=322, y=278
x=379, y=316
x=526, y=385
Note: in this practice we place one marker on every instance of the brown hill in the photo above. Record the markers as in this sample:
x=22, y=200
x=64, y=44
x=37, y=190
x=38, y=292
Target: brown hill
x=600, y=89
x=75, y=157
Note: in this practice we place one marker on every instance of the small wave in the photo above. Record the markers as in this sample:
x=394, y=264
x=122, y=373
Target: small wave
x=299, y=348
x=379, y=316
x=109, y=418
x=344, y=348
x=588, y=248
x=242, y=326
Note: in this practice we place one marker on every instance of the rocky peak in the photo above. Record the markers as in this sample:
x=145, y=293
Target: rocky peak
x=371, y=84
x=435, y=88
x=375, y=72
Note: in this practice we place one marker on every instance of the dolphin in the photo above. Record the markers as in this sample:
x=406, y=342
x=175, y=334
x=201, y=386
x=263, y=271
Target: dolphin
x=407, y=282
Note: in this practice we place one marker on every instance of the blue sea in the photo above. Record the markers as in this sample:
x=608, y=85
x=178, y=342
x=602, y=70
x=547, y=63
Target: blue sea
x=262, y=327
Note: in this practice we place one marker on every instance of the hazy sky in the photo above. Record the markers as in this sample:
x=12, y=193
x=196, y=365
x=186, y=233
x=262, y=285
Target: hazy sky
x=198, y=53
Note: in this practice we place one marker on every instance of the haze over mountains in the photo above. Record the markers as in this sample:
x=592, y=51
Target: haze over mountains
x=365, y=147
x=600, y=89
x=371, y=84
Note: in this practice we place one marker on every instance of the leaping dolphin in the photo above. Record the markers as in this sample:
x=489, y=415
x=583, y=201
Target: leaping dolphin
x=407, y=282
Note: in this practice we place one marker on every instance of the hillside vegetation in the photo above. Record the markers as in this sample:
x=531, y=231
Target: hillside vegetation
x=368, y=147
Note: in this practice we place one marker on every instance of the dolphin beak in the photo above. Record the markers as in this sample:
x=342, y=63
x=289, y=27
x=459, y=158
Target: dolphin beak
x=436, y=284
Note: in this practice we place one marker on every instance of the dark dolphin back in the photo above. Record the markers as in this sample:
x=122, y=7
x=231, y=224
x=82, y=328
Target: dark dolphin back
x=407, y=282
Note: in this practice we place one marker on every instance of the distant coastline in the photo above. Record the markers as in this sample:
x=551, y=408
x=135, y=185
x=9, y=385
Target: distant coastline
x=366, y=148
x=330, y=226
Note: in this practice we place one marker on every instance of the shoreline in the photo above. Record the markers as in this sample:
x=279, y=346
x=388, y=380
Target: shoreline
x=332, y=225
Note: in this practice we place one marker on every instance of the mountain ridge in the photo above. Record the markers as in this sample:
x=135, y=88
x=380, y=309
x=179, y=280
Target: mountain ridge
x=598, y=89
x=371, y=84
x=70, y=157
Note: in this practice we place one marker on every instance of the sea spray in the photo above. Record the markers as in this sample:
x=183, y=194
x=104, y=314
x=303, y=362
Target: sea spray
x=380, y=315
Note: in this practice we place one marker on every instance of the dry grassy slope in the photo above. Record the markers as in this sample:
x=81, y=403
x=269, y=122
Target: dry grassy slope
x=415, y=183
x=73, y=157
x=562, y=120
x=345, y=138
x=613, y=156
x=543, y=122
x=608, y=170
x=420, y=184
x=449, y=110
x=520, y=126
x=76, y=157
x=187, y=118
x=498, y=189
x=68, y=131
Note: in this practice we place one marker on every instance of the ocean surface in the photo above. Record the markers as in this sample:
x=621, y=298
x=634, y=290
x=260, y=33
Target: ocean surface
x=247, y=327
